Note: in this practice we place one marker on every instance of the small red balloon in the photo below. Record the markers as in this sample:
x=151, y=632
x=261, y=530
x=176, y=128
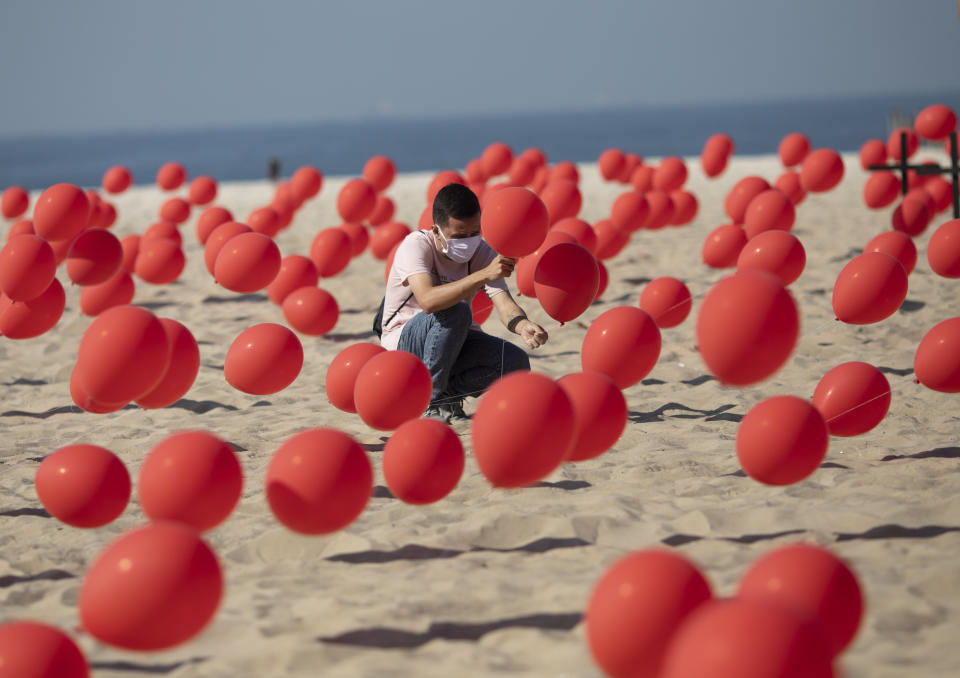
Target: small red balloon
x=661, y=209
x=870, y=287
x=385, y=238
x=610, y=239
x=356, y=200
x=209, y=219
x=912, y=216
x=94, y=257
x=247, y=263
x=853, y=398
x=202, y=191
x=565, y=281
x=943, y=250
x=342, y=373
x=579, y=229
x=496, y=158
x=630, y=211
x=27, y=267
x=61, y=212
x=441, y=179
x=562, y=198
x=423, y=461
x=527, y=266
x=28, y=319
x=873, y=152
x=160, y=261
x=359, y=237
x=379, y=172
x=789, y=183
x=776, y=252
x=14, y=202
x=935, y=122
x=600, y=411
x=521, y=172
x=739, y=197
x=685, y=207
x=311, y=310
x=793, y=149
x=782, y=440
x=184, y=365
x=117, y=291
x=723, y=245
x=331, y=251
x=667, y=300
x=769, y=210
x=611, y=163
x=296, y=271
x=382, y=211
x=83, y=486
x=514, y=221
x=894, y=149
x=264, y=220
x=881, y=190
x=391, y=388
x=171, y=176
x=641, y=178
x=217, y=238
x=306, y=182
x=622, y=343
x=33, y=650
x=481, y=306
x=715, y=154
x=21, y=227
x=670, y=174
x=896, y=244
x=936, y=362
x=175, y=210
x=263, y=359
x=163, y=229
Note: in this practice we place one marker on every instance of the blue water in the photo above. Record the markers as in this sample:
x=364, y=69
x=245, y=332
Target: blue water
x=441, y=143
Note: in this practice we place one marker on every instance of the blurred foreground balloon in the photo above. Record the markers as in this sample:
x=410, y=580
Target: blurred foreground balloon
x=34, y=650
x=936, y=362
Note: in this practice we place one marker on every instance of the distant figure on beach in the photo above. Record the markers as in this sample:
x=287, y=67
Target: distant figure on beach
x=273, y=169
x=427, y=312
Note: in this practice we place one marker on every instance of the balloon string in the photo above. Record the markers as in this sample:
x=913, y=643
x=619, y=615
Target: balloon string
x=859, y=405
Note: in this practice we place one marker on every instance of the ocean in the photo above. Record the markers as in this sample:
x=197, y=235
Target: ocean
x=341, y=148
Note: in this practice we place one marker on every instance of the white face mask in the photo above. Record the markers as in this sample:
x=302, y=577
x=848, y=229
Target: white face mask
x=460, y=250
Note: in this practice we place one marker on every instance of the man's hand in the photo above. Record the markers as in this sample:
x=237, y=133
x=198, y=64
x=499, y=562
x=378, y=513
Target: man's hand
x=501, y=267
x=533, y=335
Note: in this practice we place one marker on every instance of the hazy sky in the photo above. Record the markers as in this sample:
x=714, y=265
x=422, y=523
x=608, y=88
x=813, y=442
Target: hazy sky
x=107, y=65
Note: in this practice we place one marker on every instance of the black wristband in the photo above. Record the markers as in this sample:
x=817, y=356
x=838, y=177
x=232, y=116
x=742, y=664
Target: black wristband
x=514, y=321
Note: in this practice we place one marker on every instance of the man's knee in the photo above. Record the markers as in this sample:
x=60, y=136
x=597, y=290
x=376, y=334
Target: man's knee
x=514, y=358
x=458, y=315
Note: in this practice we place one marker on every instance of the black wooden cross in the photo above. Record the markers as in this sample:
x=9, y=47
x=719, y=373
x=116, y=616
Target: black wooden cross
x=903, y=167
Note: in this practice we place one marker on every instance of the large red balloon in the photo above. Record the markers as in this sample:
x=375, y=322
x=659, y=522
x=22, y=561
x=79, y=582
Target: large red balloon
x=739, y=197
x=523, y=429
x=83, y=486
x=296, y=271
x=209, y=219
x=776, y=252
x=747, y=639
x=723, y=245
x=318, y=481
x=514, y=221
x=263, y=359
x=331, y=251
x=782, y=440
x=896, y=244
x=152, y=588
x=747, y=327
x=190, y=477
x=342, y=373
x=769, y=210
x=423, y=461
x=622, y=343
x=94, y=257
x=61, y=212
x=247, y=263
x=117, y=291
x=936, y=363
x=311, y=310
x=123, y=354
x=27, y=267
x=34, y=650
x=562, y=199
x=853, y=398
x=159, y=260
x=943, y=250
x=881, y=190
x=667, y=300
x=813, y=582
x=565, y=281
x=14, y=202
x=793, y=149
x=28, y=319
x=870, y=287
x=391, y=388
x=636, y=608
x=85, y=402
x=184, y=365
x=630, y=211
x=356, y=200
x=217, y=238
x=171, y=176
x=600, y=411
x=202, y=191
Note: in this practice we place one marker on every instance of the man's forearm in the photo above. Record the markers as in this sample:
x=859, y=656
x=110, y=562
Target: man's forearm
x=444, y=296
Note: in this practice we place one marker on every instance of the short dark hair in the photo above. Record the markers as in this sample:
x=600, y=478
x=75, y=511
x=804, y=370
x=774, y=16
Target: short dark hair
x=454, y=200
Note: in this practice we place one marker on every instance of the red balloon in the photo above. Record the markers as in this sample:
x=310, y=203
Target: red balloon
x=579, y=229
x=264, y=220
x=782, y=440
x=130, y=244
x=935, y=122
x=33, y=650
x=117, y=291
x=27, y=267
x=936, y=363
x=776, y=252
x=247, y=263
x=310, y=310
x=670, y=174
x=565, y=281
x=218, y=236
x=870, y=287
x=723, y=245
x=921, y=193
x=123, y=354
x=565, y=170
x=355, y=200
x=813, y=582
x=611, y=163
x=481, y=306
x=184, y=365
x=562, y=199
x=630, y=211
x=793, y=149
x=622, y=343
x=747, y=327
x=522, y=171
x=667, y=300
x=853, y=398
x=306, y=182
x=740, y=638
x=202, y=190
x=60, y=249
x=159, y=261
x=108, y=216
x=342, y=373
x=610, y=239
x=603, y=279
x=28, y=319
x=163, y=229
x=83, y=486
x=285, y=203
x=538, y=157
x=641, y=178
x=739, y=197
x=190, y=477
x=769, y=210
x=423, y=461
x=391, y=388
x=152, y=588
x=318, y=481
x=85, y=402
x=388, y=264
x=600, y=411
x=331, y=251
x=263, y=359
x=61, y=212
x=385, y=238
x=540, y=178
x=636, y=608
x=14, y=202
x=661, y=209
x=715, y=154
x=522, y=430
x=527, y=266
x=359, y=237
x=379, y=172
x=685, y=207
x=631, y=161
x=941, y=191
x=474, y=172
x=912, y=216
x=175, y=210
x=873, y=152
x=894, y=143
x=441, y=179
x=514, y=221
x=296, y=271
x=496, y=158
x=896, y=244
x=94, y=257
x=171, y=176
x=943, y=250
x=382, y=211
x=881, y=190
x=21, y=227
x=789, y=183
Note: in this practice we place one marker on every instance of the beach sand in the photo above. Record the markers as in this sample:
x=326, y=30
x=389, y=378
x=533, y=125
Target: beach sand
x=490, y=581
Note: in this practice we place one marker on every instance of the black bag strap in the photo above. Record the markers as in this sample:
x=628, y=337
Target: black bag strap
x=394, y=314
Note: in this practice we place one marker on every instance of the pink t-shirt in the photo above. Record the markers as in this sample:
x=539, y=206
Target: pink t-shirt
x=418, y=254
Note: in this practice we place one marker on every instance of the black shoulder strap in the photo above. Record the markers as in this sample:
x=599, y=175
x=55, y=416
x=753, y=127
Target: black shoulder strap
x=394, y=314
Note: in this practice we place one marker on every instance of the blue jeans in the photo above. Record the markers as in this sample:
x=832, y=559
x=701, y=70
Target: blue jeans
x=462, y=362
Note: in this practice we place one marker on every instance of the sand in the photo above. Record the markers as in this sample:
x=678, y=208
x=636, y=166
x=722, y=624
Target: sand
x=491, y=581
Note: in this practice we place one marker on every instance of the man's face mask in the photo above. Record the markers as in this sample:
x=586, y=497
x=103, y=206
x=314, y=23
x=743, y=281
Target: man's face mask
x=460, y=250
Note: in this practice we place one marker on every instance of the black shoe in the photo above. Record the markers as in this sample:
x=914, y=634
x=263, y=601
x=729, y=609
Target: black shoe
x=456, y=411
x=446, y=412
